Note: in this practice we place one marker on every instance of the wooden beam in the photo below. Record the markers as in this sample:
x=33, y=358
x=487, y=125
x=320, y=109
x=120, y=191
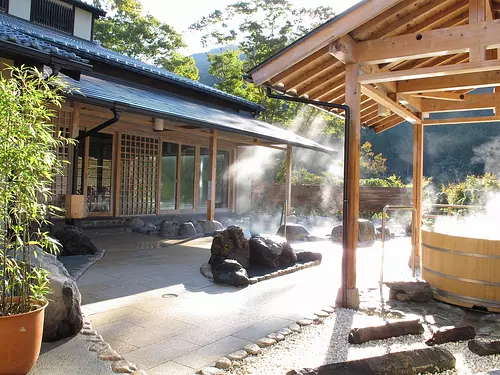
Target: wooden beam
x=343, y=49
x=470, y=102
x=382, y=99
x=462, y=120
x=418, y=174
x=288, y=180
x=435, y=71
x=429, y=43
x=412, y=101
x=490, y=12
x=320, y=38
x=477, y=14
x=443, y=95
x=388, y=124
x=328, y=69
x=353, y=100
x=196, y=190
x=455, y=82
x=212, y=175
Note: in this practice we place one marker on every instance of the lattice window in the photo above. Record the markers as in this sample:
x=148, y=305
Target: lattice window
x=138, y=175
x=60, y=185
x=4, y=6
x=52, y=14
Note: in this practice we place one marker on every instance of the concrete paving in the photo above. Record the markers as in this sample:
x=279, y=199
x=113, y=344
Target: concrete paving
x=152, y=305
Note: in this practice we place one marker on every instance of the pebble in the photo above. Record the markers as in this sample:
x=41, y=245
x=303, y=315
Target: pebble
x=285, y=331
x=109, y=355
x=329, y=310
x=322, y=314
x=210, y=371
x=265, y=342
x=304, y=322
x=99, y=346
x=223, y=363
x=238, y=355
x=276, y=336
x=88, y=332
x=294, y=327
x=252, y=349
x=96, y=338
x=124, y=366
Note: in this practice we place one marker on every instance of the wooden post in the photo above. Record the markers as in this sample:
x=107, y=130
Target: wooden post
x=353, y=100
x=288, y=180
x=418, y=172
x=196, y=190
x=477, y=14
x=212, y=174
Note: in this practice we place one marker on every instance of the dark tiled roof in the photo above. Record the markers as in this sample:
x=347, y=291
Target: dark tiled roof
x=9, y=34
x=95, y=52
x=149, y=102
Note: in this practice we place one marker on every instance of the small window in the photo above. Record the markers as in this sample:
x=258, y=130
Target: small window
x=53, y=14
x=4, y=6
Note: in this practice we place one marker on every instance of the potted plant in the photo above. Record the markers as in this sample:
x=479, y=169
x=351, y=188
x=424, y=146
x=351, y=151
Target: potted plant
x=28, y=99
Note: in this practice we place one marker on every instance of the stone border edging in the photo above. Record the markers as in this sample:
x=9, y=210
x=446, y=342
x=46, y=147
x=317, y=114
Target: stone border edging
x=92, y=259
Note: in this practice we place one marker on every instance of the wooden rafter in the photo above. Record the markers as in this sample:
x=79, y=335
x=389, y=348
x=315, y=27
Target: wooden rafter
x=469, y=102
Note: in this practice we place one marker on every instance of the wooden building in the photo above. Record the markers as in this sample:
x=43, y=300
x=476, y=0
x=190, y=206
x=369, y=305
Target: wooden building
x=392, y=61
x=150, y=142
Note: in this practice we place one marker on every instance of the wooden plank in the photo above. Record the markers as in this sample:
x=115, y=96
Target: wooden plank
x=388, y=124
x=212, y=175
x=443, y=95
x=429, y=43
x=382, y=99
x=412, y=101
x=288, y=180
x=330, y=68
x=435, y=71
x=455, y=82
x=343, y=49
x=418, y=173
x=470, y=102
x=477, y=14
x=462, y=120
x=320, y=38
x=353, y=100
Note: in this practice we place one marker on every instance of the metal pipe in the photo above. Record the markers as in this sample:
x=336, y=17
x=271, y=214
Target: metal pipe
x=345, y=205
x=413, y=247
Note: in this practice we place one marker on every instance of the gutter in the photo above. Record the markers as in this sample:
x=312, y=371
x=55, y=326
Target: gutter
x=345, y=205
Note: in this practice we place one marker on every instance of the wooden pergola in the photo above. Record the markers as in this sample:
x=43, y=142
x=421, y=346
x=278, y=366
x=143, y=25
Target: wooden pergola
x=393, y=61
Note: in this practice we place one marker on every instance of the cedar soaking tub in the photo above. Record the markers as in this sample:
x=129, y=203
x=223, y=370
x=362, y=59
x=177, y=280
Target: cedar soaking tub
x=463, y=271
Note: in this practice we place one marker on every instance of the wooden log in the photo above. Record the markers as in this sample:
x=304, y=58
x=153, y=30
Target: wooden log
x=410, y=362
x=395, y=329
x=454, y=334
x=484, y=348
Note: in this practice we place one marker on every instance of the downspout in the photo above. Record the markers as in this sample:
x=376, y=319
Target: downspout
x=105, y=124
x=345, y=205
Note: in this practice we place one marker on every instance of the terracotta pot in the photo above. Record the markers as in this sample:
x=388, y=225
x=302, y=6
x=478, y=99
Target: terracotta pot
x=20, y=341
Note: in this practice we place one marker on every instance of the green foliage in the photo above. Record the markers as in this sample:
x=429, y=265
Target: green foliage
x=131, y=32
x=391, y=181
x=473, y=191
x=371, y=165
x=28, y=165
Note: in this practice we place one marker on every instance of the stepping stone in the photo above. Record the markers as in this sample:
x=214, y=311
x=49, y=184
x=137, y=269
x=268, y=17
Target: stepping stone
x=109, y=355
x=276, y=336
x=238, y=355
x=99, y=346
x=125, y=367
x=329, y=310
x=252, y=349
x=285, y=331
x=210, y=371
x=88, y=332
x=265, y=342
x=97, y=338
x=294, y=327
x=223, y=363
x=304, y=322
x=322, y=314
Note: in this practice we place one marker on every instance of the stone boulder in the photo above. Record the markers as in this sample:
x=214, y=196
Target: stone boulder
x=187, y=230
x=230, y=272
x=135, y=223
x=63, y=316
x=74, y=241
x=199, y=227
x=416, y=291
x=308, y=256
x=366, y=233
x=294, y=232
x=169, y=229
x=387, y=231
x=271, y=251
x=230, y=244
x=211, y=226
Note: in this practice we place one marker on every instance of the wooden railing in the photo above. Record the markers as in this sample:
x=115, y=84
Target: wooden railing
x=54, y=15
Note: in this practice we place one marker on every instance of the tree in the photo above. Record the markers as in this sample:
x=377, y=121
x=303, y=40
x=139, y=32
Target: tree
x=372, y=165
x=131, y=32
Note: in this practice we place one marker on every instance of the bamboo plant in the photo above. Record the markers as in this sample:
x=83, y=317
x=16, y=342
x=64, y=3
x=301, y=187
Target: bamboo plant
x=29, y=99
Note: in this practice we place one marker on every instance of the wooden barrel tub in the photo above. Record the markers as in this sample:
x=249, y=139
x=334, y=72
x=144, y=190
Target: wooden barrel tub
x=461, y=270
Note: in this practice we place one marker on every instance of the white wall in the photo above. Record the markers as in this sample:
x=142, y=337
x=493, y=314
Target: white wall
x=20, y=8
x=83, y=24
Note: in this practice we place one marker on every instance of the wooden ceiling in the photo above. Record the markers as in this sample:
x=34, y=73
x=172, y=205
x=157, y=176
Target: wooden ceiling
x=320, y=75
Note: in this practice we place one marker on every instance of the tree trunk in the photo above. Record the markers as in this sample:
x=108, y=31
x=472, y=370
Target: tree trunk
x=408, y=327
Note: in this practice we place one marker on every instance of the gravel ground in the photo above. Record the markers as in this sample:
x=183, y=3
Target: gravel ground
x=327, y=343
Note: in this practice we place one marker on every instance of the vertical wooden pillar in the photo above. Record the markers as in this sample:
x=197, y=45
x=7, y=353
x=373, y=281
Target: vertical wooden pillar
x=418, y=172
x=196, y=190
x=477, y=14
x=75, y=128
x=212, y=174
x=178, y=178
x=288, y=180
x=353, y=100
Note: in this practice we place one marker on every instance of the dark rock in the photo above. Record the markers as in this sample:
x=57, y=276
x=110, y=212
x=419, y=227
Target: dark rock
x=271, y=251
x=409, y=362
x=484, y=348
x=378, y=233
x=211, y=226
x=395, y=329
x=135, y=223
x=308, y=256
x=144, y=230
x=74, y=241
x=294, y=232
x=199, y=228
x=169, y=229
x=454, y=334
x=63, y=316
x=150, y=226
x=366, y=233
x=417, y=291
x=187, y=230
x=230, y=244
x=230, y=272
